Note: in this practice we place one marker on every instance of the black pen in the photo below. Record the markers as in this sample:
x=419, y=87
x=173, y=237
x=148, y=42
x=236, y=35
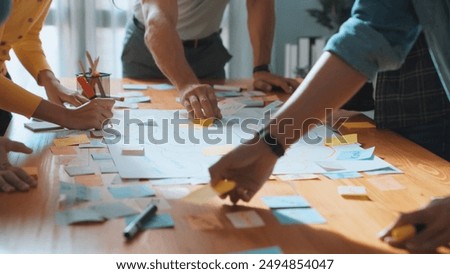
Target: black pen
x=137, y=223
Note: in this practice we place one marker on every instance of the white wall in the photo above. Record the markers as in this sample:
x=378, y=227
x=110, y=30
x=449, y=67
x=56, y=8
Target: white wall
x=292, y=21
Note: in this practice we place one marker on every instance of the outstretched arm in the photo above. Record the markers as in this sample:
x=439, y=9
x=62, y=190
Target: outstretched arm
x=163, y=41
x=329, y=85
x=261, y=27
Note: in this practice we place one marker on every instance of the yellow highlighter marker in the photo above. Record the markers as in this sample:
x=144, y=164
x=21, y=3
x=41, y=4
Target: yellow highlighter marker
x=403, y=233
x=204, y=122
x=203, y=194
x=224, y=186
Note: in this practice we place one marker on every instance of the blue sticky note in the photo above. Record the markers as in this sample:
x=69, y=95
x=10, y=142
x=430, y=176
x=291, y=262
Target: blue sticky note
x=72, y=216
x=386, y=170
x=265, y=250
x=285, y=201
x=108, y=167
x=93, y=144
x=161, y=86
x=101, y=156
x=228, y=94
x=252, y=103
x=158, y=221
x=298, y=216
x=79, y=192
x=342, y=175
x=363, y=154
x=131, y=191
x=112, y=210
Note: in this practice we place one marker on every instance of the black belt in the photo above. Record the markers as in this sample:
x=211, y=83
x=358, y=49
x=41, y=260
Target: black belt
x=195, y=43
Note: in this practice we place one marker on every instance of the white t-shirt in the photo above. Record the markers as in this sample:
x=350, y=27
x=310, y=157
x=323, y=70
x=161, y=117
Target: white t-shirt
x=196, y=18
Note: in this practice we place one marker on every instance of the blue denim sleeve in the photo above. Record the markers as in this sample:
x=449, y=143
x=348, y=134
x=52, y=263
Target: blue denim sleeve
x=377, y=37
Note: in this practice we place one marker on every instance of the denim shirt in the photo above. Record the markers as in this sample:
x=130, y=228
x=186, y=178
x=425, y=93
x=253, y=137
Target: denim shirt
x=379, y=35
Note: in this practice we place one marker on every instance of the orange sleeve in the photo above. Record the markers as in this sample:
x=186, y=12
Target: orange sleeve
x=29, y=49
x=16, y=99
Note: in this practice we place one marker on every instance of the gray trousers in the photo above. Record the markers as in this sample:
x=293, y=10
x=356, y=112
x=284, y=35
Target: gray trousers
x=207, y=60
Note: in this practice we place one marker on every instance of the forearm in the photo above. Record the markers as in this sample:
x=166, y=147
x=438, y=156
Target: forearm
x=47, y=78
x=261, y=25
x=164, y=43
x=50, y=112
x=330, y=84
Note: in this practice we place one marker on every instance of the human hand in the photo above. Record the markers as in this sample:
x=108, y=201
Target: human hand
x=266, y=81
x=59, y=94
x=248, y=165
x=13, y=178
x=436, y=219
x=200, y=101
x=92, y=114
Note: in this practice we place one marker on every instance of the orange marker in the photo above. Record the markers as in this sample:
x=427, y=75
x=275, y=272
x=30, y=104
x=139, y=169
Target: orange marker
x=88, y=91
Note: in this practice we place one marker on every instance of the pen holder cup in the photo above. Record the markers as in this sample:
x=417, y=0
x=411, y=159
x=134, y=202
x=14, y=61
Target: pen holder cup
x=100, y=84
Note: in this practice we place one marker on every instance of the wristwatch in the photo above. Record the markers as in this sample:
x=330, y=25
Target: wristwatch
x=273, y=143
x=261, y=68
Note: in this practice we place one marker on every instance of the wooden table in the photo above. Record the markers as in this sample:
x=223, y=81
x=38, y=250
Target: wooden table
x=27, y=220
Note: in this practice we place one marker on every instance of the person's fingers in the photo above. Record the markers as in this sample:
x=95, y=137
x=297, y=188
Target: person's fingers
x=11, y=178
x=422, y=240
x=440, y=238
x=187, y=105
x=293, y=83
x=24, y=176
x=106, y=113
x=18, y=147
x=107, y=103
x=213, y=99
x=244, y=193
x=81, y=99
x=198, y=113
x=4, y=186
x=416, y=217
x=206, y=106
x=234, y=197
x=262, y=85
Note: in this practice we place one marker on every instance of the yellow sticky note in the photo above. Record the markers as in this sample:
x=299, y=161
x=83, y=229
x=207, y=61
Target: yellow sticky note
x=31, y=171
x=63, y=150
x=351, y=125
x=342, y=140
x=271, y=98
x=204, y=122
x=89, y=180
x=203, y=194
x=206, y=221
x=71, y=140
x=217, y=150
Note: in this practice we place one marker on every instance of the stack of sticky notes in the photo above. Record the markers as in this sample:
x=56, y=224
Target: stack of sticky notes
x=203, y=194
x=353, y=192
x=293, y=209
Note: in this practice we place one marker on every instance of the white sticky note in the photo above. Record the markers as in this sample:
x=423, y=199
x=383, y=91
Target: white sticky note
x=134, y=87
x=79, y=170
x=42, y=126
x=245, y=219
x=133, y=150
x=352, y=191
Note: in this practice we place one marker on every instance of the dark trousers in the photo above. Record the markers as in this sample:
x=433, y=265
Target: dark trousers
x=207, y=60
x=434, y=136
